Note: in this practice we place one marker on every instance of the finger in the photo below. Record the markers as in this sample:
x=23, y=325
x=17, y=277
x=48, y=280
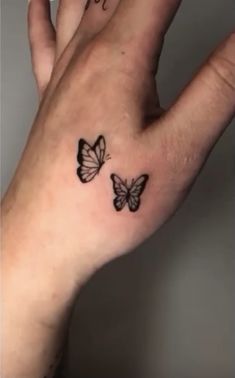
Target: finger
x=202, y=112
x=141, y=25
x=97, y=15
x=42, y=40
x=69, y=16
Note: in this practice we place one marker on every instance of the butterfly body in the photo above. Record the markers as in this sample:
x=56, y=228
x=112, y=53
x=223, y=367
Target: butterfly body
x=128, y=194
x=91, y=159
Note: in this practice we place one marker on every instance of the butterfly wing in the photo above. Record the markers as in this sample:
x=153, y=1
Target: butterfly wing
x=100, y=148
x=88, y=160
x=121, y=191
x=135, y=192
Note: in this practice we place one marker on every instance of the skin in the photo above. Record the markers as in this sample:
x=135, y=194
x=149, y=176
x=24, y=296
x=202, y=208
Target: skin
x=96, y=76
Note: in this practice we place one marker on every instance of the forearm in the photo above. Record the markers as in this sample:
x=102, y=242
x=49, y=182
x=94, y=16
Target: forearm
x=37, y=303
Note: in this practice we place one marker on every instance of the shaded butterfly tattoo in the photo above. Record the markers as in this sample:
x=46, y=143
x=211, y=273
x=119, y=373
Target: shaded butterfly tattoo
x=128, y=193
x=97, y=2
x=91, y=159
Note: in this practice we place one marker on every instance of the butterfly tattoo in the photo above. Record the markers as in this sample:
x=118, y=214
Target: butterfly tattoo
x=128, y=194
x=91, y=159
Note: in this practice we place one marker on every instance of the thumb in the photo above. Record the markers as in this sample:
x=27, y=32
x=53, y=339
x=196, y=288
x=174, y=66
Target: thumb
x=207, y=105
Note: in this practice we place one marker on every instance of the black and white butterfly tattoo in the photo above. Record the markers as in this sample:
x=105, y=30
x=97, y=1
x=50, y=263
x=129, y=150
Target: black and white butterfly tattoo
x=91, y=159
x=128, y=194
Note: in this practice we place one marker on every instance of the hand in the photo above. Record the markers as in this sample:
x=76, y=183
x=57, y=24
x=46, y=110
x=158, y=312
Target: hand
x=103, y=83
x=98, y=78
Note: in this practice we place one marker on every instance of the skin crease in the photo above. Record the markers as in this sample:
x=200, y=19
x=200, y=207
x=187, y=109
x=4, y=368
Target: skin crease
x=94, y=80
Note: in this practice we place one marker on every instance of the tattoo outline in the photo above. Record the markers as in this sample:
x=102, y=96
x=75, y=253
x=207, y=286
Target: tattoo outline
x=91, y=159
x=128, y=194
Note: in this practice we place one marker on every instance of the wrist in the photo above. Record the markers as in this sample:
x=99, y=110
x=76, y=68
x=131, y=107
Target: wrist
x=34, y=280
x=38, y=293
x=36, y=309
